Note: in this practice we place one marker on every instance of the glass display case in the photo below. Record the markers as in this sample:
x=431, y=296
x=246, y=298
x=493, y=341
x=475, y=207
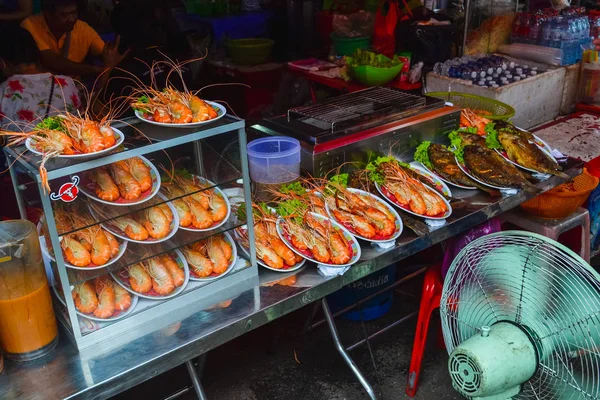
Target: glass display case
x=144, y=231
x=488, y=24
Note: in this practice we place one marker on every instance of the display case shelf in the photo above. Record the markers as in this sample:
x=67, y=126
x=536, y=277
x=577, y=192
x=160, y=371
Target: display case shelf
x=216, y=152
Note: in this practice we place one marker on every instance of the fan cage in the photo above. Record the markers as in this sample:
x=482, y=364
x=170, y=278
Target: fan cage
x=465, y=373
x=537, y=283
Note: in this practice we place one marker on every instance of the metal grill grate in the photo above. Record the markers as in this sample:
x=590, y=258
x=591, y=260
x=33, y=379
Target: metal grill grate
x=354, y=108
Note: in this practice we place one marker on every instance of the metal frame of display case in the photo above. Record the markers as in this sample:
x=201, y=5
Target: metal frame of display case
x=119, y=329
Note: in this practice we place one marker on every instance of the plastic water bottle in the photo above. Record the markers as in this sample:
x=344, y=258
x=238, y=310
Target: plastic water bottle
x=535, y=30
x=547, y=30
x=515, y=35
x=556, y=33
x=567, y=44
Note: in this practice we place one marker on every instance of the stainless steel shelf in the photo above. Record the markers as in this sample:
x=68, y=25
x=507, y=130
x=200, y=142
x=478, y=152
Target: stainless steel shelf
x=202, y=326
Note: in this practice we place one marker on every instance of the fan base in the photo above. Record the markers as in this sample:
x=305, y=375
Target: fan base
x=506, y=395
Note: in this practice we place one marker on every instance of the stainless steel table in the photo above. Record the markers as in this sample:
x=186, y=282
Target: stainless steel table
x=103, y=372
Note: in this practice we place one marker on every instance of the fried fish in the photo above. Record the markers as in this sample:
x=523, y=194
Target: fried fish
x=527, y=154
x=490, y=168
x=444, y=164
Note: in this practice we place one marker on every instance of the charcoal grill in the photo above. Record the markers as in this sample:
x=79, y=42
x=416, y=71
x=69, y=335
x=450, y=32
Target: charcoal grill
x=350, y=127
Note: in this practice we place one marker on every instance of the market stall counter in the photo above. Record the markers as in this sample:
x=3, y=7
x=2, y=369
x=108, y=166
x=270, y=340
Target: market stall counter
x=105, y=370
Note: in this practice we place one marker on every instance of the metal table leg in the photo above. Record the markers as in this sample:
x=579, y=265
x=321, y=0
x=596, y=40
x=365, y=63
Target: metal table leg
x=195, y=381
x=344, y=354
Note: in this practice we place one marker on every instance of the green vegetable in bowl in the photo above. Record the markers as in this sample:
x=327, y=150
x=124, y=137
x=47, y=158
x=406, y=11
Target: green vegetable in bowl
x=363, y=57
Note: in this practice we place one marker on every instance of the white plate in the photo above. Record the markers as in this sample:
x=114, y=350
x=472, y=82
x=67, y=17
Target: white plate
x=234, y=258
x=397, y=222
x=88, y=188
x=122, y=314
x=122, y=248
x=347, y=235
x=213, y=187
x=543, y=146
x=464, y=169
x=221, y=111
x=119, y=233
x=261, y=263
x=436, y=181
x=30, y=145
x=406, y=209
x=446, y=180
x=121, y=277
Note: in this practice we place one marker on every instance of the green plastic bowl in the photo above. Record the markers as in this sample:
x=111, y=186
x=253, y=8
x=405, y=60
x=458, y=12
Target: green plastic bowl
x=249, y=51
x=346, y=46
x=373, y=76
x=498, y=109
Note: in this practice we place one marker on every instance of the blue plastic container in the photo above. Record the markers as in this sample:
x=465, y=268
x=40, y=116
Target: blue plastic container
x=274, y=159
x=372, y=309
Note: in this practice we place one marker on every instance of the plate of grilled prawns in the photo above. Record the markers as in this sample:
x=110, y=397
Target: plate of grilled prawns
x=319, y=239
x=156, y=278
x=72, y=137
x=212, y=258
x=154, y=223
x=405, y=189
x=124, y=183
x=271, y=252
x=84, y=243
x=172, y=108
x=100, y=299
x=200, y=204
x=364, y=215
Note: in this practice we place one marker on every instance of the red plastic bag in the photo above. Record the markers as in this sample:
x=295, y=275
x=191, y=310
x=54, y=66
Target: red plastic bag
x=384, y=40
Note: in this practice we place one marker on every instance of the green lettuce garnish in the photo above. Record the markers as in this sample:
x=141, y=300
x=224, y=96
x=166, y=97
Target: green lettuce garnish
x=293, y=188
x=456, y=145
x=491, y=138
x=292, y=208
x=421, y=155
x=52, y=123
x=373, y=168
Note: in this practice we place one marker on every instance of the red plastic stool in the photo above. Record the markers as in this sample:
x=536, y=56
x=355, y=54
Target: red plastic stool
x=430, y=300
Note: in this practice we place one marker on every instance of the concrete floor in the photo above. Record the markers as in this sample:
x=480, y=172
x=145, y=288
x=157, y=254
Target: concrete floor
x=321, y=373
x=257, y=367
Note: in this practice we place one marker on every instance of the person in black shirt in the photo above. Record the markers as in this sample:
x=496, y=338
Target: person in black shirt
x=138, y=25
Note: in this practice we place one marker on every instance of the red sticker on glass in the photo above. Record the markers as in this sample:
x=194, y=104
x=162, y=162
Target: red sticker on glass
x=68, y=191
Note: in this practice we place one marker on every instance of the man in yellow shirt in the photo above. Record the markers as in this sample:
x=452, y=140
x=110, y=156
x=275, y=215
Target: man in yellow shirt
x=64, y=41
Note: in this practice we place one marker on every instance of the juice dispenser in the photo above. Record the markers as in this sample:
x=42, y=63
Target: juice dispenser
x=27, y=323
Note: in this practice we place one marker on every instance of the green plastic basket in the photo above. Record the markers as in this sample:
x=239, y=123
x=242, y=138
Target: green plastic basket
x=498, y=109
x=374, y=76
x=249, y=51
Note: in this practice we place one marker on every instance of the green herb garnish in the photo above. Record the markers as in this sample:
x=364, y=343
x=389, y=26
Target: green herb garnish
x=52, y=123
x=421, y=155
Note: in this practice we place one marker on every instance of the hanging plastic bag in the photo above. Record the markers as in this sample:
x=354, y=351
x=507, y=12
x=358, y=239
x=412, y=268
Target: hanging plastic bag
x=353, y=25
x=386, y=19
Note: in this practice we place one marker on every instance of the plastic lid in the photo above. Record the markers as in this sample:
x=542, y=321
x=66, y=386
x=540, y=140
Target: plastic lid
x=12, y=234
x=293, y=144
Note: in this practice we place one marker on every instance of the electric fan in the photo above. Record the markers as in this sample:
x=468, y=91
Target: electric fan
x=521, y=320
